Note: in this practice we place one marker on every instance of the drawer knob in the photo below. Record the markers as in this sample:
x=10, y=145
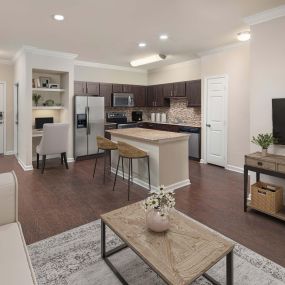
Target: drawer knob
x=259, y=163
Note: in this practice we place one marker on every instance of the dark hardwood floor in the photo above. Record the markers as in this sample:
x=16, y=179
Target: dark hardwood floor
x=62, y=199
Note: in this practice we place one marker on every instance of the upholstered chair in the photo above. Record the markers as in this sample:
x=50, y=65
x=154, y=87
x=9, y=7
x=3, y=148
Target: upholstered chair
x=54, y=141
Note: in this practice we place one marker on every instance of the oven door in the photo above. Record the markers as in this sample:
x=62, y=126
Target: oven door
x=123, y=100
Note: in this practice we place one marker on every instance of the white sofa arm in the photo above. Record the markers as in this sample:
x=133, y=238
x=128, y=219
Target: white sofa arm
x=8, y=198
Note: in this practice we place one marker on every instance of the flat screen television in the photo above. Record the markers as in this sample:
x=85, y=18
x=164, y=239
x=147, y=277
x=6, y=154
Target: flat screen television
x=278, y=119
x=39, y=122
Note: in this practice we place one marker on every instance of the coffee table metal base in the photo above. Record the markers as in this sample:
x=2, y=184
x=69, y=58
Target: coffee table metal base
x=105, y=254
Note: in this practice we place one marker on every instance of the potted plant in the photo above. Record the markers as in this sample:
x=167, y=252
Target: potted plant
x=265, y=141
x=36, y=98
x=158, y=206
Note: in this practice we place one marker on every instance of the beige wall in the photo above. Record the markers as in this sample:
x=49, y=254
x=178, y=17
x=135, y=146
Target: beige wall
x=7, y=75
x=235, y=63
x=96, y=74
x=267, y=81
x=188, y=70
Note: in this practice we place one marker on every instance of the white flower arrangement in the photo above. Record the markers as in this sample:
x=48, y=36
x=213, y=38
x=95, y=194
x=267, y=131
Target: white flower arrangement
x=162, y=200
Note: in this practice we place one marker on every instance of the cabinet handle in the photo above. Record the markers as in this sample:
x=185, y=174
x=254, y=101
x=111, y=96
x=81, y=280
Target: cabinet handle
x=259, y=163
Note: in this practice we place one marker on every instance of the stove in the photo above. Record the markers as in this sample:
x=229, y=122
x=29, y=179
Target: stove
x=121, y=119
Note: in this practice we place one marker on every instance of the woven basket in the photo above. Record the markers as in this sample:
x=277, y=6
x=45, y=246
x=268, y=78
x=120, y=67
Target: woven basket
x=268, y=200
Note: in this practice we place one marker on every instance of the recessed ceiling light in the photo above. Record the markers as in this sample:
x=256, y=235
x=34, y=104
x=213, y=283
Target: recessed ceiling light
x=142, y=45
x=163, y=37
x=243, y=36
x=58, y=17
x=147, y=60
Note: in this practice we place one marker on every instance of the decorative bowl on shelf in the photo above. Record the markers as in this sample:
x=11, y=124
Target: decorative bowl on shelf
x=49, y=102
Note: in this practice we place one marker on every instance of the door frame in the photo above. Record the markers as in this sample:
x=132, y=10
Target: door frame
x=16, y=109
x=5, y=109
x=205, y=118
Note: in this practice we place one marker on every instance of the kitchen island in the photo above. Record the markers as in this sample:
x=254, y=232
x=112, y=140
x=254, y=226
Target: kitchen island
x=168, y=152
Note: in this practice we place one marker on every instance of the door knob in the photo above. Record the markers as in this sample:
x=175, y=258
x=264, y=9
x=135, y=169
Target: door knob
x=208, y=125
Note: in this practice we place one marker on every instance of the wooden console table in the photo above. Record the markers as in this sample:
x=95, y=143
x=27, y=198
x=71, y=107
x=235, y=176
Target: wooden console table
x=272, y=165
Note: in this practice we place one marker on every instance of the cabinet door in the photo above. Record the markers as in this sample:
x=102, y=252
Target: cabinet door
x=179, y=89
x=167, y=90
x=79, y=87
x=140, y=96
x=193, y=93
x=150, y=96
x=128, y=88
x=106, y=92
x=117, y=88
x=92, y=88
x=160, y=99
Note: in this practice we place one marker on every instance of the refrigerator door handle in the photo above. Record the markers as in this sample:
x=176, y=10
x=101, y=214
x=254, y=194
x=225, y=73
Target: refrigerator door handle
x=88, y=123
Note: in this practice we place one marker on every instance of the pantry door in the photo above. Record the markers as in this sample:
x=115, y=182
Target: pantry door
x=216, y=120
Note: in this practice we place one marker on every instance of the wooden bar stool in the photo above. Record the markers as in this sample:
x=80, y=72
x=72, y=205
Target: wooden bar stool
x=130, y=152
x=107, y=146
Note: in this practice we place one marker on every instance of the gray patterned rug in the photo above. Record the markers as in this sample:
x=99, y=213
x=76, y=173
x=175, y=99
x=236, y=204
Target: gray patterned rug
x=73, y=257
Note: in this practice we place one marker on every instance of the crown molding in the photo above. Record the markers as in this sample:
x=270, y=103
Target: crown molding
x=6, y=61
x=108, y=66
x=44, y=52
x=265, y=16
x=222, y=48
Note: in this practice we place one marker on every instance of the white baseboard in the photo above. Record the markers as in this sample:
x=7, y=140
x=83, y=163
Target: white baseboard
x=203, y=161
x=144, y=184
x=234, y=168
x=24, y=166
x=9, y=152
x=70, y=159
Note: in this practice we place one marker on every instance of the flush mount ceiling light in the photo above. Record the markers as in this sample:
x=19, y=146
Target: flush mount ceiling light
x=58, y=17
x=243, y=36
x=142, y=44
x=163, y=37
x=147, y=60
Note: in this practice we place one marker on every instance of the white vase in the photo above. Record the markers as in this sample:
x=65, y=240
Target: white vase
x=264, y=152
x=157, y=222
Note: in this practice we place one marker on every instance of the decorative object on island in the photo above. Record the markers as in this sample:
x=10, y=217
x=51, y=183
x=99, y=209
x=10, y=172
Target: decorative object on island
x=265, y=141
x=36, y=98
x=267, y=197
x=157, y=208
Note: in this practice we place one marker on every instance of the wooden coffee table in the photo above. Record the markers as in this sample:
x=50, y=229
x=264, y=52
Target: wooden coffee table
x=179, y=256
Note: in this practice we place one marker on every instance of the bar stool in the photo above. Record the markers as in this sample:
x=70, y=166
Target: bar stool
x=130, y=152
x=107, y=146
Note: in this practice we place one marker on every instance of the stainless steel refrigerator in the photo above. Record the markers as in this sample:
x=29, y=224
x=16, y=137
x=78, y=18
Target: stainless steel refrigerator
x=88, y=123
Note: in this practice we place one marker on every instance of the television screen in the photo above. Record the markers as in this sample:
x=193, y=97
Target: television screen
x=39, y=122
x=278, y=119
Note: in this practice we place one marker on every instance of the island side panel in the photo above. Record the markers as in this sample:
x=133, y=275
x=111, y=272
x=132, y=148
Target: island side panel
x=140, y=172
x=174, y=164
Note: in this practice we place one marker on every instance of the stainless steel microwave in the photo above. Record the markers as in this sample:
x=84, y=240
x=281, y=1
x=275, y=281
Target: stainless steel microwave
x=123, y=100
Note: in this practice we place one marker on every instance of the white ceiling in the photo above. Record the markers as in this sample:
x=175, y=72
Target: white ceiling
x=108, y=31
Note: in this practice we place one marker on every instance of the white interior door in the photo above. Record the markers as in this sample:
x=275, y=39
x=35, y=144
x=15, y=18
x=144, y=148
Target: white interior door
x=16, y=118
x=216, y=120
x=2, y=110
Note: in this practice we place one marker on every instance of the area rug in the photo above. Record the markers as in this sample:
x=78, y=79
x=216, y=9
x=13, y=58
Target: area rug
x=73, y=257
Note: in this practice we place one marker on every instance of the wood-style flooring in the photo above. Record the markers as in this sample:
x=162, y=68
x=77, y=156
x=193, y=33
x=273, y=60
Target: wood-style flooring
x=62, y=199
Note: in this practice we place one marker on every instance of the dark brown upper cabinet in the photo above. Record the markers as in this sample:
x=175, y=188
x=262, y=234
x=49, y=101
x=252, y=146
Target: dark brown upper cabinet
x=106, y=90
x=176, y=89
x=179, y=89
x=193, y=93
x=140, y=95
x=79, y=87
x=155, y=96
x=92, y=88
x=167, y=90
x=128, y=88
x=117, y=88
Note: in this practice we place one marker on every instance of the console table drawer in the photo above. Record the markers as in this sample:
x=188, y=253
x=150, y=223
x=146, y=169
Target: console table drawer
x=280, y=167
x=261, y=164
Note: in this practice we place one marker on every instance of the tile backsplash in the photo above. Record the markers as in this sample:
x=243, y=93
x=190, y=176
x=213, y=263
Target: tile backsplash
x=178, y=112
